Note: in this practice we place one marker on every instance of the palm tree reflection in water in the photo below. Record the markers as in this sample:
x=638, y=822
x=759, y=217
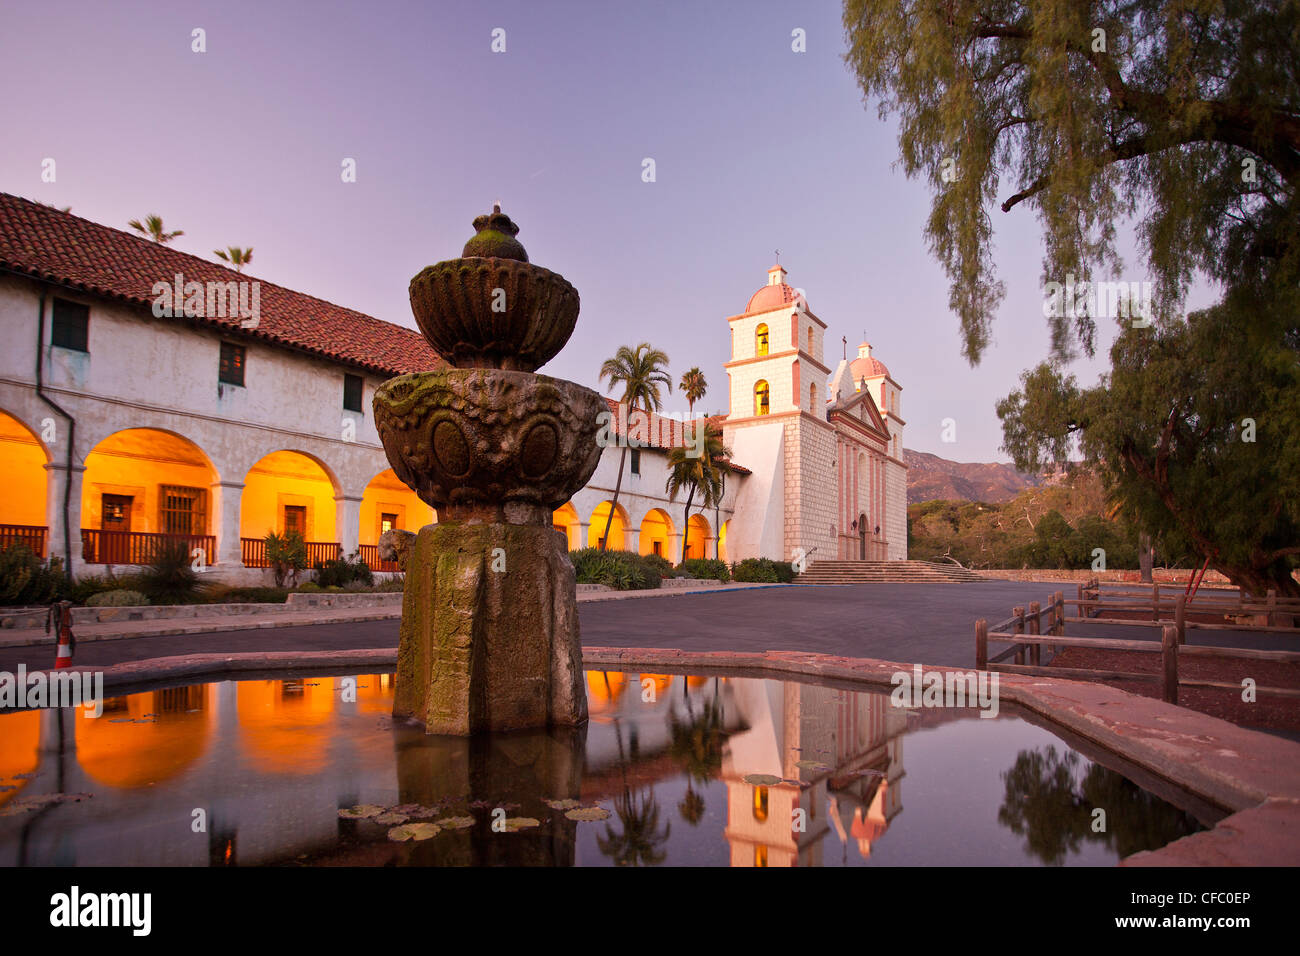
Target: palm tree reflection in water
x=640, y=842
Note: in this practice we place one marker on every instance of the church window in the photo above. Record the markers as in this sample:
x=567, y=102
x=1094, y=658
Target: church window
x=812, y=398
x=761, y=804
x=761, y=348
x=810, y=340
x=761, y=398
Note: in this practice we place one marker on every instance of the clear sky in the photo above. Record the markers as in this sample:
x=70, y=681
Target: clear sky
x=756, y=148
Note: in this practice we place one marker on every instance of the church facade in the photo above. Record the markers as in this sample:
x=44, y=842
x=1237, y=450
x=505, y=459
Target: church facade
x=825, y=447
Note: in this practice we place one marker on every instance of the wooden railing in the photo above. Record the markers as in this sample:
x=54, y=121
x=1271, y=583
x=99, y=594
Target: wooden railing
x=31, y=535
x=370, y=555
x=253, y=552
x=1023, y=632
x=138, y=547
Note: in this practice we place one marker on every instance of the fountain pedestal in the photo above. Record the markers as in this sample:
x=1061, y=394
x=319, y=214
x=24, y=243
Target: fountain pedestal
x=489, y=637
x=489, y=631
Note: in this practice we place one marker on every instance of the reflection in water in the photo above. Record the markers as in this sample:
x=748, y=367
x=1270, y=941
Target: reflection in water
x=762, y=773
x=1052, y=799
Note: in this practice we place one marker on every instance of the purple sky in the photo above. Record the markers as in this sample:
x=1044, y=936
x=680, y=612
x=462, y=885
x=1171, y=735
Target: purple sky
x=756, y=148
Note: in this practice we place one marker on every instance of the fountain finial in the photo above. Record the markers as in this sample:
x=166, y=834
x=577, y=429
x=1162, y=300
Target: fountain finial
x=495, y=238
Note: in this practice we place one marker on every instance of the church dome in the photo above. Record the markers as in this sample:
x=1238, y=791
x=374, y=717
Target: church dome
x=776, y=294
x=864, y=366
x=770, y=297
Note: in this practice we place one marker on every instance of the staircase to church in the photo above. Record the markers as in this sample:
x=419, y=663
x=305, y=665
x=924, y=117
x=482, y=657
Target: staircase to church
x=884, y=572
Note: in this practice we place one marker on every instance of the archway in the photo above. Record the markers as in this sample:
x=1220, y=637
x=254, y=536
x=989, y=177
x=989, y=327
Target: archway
x=722, y=540
x=697, y=535
x=616, y=528
x=762, y=398
x=565, y=519
x=388, y=504
x=143, y=486
x=862, y=537
x=284, y=724
x=287, y=491
x=761, y=339
x=656, y=534
x=22, y=507
x=115, y=750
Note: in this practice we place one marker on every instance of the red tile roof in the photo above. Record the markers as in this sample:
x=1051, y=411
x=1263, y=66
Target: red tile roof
x=661, y=432
x=41, y=241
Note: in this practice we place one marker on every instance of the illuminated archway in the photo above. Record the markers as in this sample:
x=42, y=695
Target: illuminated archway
x=22, y=507
x=145, y=739
x=760, y=339
x=284, y=724
x=722, y=540
x=762, y=398
x=656, y=534
x=616, y=528
x=288, y=491
x=565, y=519
x=20, y=750
x=389, y=504
x=698, y=532
x=141, y=484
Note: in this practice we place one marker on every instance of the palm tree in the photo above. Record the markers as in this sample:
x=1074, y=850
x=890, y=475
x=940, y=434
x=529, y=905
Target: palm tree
x=152, y=228
x=236, y=256
x=640, y=372
x=693, y=386
x=702, y=474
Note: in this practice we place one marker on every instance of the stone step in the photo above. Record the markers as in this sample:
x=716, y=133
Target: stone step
x=884, y=572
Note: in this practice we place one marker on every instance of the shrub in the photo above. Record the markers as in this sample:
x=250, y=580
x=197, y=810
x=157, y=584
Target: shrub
x=252, y=595
x=309, y=588
x=706, y=569
x=659, y=563
x=340, y=572
x=621, y=570
x=88, y=585
x=287, y=555
x=754, y=571
x=170, y=577
x=119, y=598
x=394, y=582
x=26, y=579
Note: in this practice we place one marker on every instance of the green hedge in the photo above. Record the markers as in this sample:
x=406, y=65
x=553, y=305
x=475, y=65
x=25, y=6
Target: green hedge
x=763, y=571
x=706, y=569
x=621, y=570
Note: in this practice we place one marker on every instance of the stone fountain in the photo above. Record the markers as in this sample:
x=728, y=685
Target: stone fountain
x=489, y=636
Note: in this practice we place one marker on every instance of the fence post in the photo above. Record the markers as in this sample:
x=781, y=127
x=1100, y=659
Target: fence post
x=1060, y=619
x=1180, y=617
x=1019, y=628
x=1169, y=655
x=981, y=644
x=1155, y=602
x=1271, y=620
x=1034, y=620
x=1078, y=607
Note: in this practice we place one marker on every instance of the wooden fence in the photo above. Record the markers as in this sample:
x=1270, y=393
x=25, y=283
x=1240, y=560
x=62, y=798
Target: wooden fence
x=1023, y=631
x=253, y=552
x=30, y=535
x=138, y=547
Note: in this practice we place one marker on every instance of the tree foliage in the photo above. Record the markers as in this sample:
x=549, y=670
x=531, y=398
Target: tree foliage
x=1184, y=114
x=1195, y=432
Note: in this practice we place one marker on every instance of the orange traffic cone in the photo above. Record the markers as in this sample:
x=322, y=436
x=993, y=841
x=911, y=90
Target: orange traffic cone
x=62, y=612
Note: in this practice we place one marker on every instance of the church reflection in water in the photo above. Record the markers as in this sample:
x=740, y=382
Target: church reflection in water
x=693, y=770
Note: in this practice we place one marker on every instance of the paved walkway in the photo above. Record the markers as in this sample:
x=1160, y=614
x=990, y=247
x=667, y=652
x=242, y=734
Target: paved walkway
x=923, y=623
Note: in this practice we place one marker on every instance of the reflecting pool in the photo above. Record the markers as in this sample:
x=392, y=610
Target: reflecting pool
x=671, y=770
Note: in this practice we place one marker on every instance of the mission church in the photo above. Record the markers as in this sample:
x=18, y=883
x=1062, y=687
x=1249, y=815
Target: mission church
x=119, y=427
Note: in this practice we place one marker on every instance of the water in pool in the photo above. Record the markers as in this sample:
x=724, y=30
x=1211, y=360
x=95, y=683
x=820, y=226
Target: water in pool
x=671, y=770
